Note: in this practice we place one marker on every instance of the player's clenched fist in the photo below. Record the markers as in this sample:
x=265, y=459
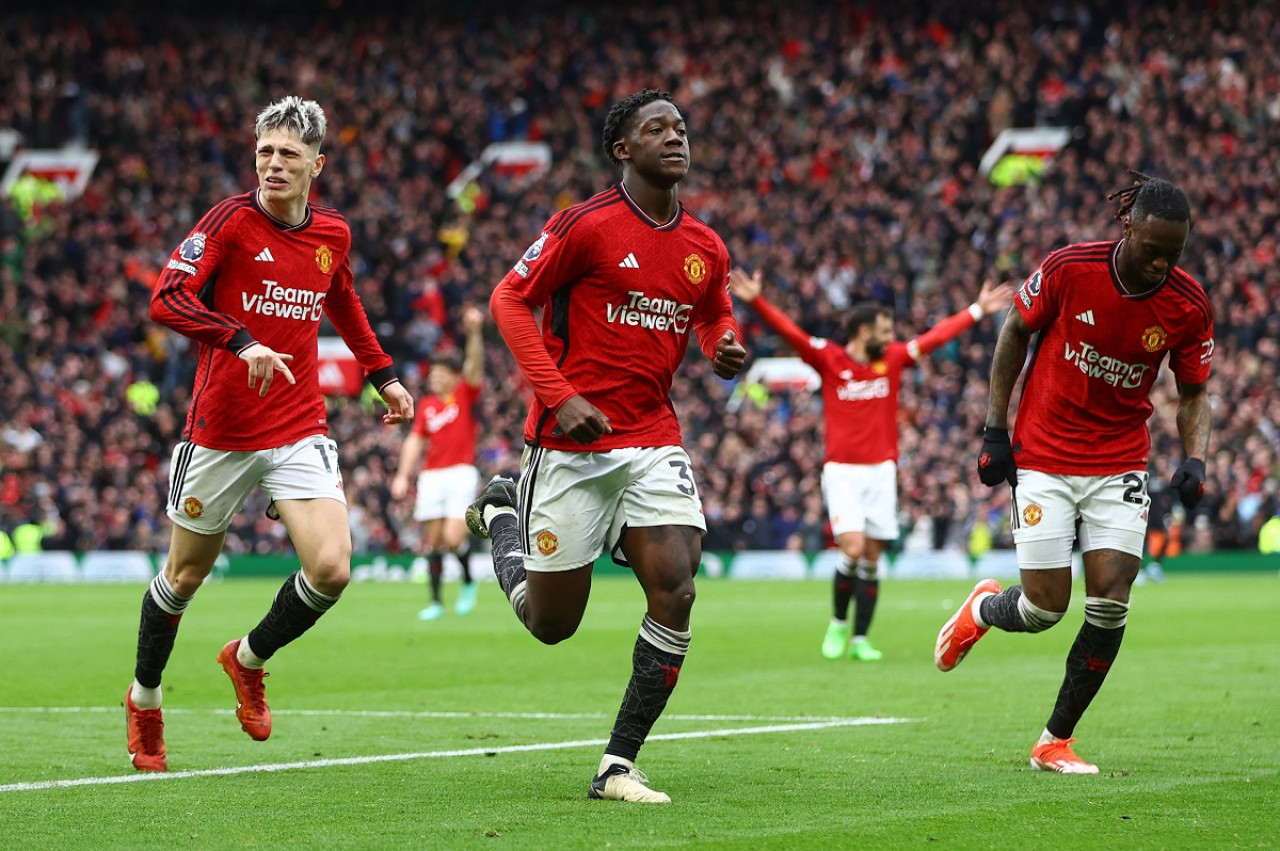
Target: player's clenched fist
x=995, y=461
x=1188, y=482
x=730, y=356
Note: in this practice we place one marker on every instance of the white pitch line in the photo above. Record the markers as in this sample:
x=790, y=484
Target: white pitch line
x=362, y=713
x=366, y=760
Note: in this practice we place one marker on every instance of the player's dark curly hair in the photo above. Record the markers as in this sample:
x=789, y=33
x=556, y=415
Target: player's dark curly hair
x=618, y=123
x=1150, y=198
x=450, y=360
x=865, y=313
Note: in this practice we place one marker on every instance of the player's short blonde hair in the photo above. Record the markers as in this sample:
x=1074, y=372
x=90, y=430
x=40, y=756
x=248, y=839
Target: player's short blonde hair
x=304, y=117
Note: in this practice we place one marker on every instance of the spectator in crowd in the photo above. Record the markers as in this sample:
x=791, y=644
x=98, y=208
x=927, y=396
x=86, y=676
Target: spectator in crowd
x=864, y=131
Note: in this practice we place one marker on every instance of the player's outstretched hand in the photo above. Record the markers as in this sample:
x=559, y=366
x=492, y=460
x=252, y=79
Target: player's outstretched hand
x=582, y=421
x=745, y=287
x=995, y=462
x=730, y=356
x=1188, y=482
x=995, y=297
x=399, y=404
x=263, y=364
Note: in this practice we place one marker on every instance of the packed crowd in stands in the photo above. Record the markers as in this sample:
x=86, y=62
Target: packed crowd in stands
x=835, y=147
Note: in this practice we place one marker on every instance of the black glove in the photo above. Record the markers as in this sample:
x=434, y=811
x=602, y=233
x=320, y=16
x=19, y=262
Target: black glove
x=1188, y=481
x=995, y=462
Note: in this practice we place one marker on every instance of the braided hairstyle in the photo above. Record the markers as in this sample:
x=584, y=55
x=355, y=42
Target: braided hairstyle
x=1150, y=198
x=622, y=113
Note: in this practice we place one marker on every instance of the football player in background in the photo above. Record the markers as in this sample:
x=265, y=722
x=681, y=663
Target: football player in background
x=249, y=285
x=860, y=384
x=1107, y=315
x=623, y=280
x=448, y=479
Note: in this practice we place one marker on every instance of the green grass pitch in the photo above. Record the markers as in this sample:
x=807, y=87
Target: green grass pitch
x=467, y=733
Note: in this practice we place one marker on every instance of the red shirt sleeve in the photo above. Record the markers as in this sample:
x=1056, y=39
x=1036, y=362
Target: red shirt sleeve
x=795, y=336
x=343, y=307
x=944, y=332
x=175, y=302
x=714, y=317
x=514, y=317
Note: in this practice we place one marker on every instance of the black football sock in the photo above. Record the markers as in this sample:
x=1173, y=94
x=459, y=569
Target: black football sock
x=842, y=589
x=295, y=610
x=865, y=594
x=508, y=558
x=435, y=569
x=655, y=666
x=463, y=555
x=162, y=609
x=1090, y=658
x=1001, y=610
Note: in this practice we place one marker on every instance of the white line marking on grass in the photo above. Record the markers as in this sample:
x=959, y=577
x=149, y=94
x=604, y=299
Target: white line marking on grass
x=366, y=760
x=362, y=713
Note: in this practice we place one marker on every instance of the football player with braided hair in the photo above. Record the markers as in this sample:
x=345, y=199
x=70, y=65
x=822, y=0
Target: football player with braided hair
x=1104, y=317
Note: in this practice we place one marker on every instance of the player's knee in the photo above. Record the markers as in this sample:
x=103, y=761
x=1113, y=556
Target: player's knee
x=1105, y=613
x=550, y=631
x=330, y=574
x=674, y=603
x=1036, y=618
x=186, y=579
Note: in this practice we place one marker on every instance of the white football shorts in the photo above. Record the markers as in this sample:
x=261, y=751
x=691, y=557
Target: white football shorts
x=1111, y=512
x=207, y=487
x=573, y=506
x=446, y=492
x=862, y=498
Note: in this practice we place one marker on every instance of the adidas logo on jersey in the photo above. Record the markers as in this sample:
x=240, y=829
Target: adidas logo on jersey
x=265, y=255
x=629, y=262
x=1086, y=317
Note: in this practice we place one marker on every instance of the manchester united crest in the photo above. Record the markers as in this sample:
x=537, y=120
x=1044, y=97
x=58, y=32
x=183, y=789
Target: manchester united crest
x=192, y=506
x=1154, y=338
x=1031, y=515
x=324, y=258
x=695, y=268
x=547, y=542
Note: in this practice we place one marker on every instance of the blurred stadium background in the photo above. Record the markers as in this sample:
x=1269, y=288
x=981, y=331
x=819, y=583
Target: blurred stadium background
x=838, y=146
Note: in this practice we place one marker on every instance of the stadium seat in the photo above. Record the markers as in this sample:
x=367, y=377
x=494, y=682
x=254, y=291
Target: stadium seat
x=117, y=566
x=55, y=566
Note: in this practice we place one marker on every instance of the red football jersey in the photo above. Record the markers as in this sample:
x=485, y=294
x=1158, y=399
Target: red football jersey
x=1087, y=393
x=620, y=293
x=448, y=422
x=242, y=276
x=860, y=400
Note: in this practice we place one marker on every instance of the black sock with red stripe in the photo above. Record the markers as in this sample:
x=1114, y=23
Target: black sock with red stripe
x=162, y=609
x=463, y=554
x=841, y=591
x=655, y=667
x=295, y=610
x=435, y=570
x=865, y=594
x=1088, y=662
